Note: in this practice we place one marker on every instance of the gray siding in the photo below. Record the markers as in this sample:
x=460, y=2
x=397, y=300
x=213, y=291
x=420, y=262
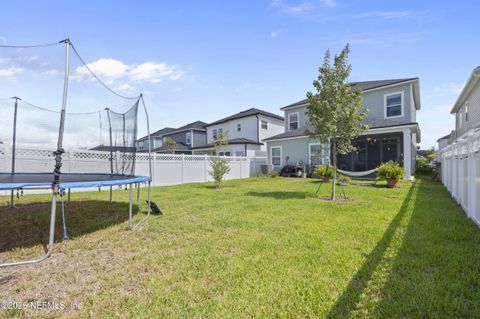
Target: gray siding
x=199, y=138
x=374, y=101
x=473, y=112
x=295, y=149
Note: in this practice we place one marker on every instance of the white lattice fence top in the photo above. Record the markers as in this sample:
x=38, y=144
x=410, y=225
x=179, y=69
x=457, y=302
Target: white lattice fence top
x=89, y=155
x=33, y=153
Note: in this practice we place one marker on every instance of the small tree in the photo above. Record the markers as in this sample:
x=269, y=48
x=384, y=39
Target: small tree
x=334, y=110
x=219, y=165
x=170, y=144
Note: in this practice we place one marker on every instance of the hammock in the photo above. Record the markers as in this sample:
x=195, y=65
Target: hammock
x=357, y=174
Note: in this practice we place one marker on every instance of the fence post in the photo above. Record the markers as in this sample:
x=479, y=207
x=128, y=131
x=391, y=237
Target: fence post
x=472, y=174
x=205, y=167
x=183, y=166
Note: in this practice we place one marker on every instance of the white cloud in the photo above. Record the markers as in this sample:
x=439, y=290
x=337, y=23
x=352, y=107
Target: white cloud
x=52, y=72
x=4, y=60
x=110, y=70
x=126, y=88
x=274, y=34
x=155, y=72
x=384, y=14
x=295, y=9
x=10, y=72
x=450, y=88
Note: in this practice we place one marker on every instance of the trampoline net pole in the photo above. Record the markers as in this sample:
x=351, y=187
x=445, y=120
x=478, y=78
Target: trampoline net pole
x=14, y=145
x=149, y=153
x=130, y=206
x=58, y=153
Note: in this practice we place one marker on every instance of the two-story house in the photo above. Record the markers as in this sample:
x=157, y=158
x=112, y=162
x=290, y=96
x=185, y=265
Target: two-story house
x=467, y=107
x=186, y=137
x=245, y=132
x=393, y=131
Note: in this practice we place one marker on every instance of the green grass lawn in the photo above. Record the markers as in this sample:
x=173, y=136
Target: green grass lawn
x=260, y=247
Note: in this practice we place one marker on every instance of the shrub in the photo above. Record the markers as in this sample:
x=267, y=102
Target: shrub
x=343, y=179
x=274, y=174
x=390, y=170
x=324, y=170
x=220, y=167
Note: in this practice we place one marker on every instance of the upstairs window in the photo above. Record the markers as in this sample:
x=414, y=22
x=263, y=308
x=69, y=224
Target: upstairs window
x=214, y=133
x=466, y=112
x=264, y=125
x=394, y=105
x=239, y=127
x=188, y=138
x=292, y=121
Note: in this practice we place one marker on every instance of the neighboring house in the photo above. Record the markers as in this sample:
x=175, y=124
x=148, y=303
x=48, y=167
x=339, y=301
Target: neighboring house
x=186, y=137
x=467, y=107
x=443, y=141
x=392, y=136
x=245, y=132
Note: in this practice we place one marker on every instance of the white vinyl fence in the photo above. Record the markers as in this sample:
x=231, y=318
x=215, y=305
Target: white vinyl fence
x=167, y=169
x=460, y=173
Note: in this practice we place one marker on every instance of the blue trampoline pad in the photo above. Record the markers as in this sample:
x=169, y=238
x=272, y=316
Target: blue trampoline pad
x=26, y=180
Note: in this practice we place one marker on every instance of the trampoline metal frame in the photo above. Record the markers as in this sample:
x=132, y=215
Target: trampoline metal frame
x=56, y=184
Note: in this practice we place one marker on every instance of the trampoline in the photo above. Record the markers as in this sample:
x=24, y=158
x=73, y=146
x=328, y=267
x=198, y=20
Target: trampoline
x=100, y=144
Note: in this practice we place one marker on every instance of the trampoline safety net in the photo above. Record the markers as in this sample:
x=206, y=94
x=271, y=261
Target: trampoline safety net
x=101, y=142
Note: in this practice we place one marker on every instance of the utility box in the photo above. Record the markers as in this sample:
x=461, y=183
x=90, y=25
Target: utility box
x=266, y=169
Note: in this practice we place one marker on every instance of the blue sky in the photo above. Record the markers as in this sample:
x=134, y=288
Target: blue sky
x=201, y=60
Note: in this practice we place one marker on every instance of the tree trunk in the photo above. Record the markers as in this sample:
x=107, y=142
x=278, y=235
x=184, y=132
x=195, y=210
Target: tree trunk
x=334, y=179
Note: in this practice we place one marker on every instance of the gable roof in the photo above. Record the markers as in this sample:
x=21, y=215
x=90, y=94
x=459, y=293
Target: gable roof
x=160, y=132
x=197, y=126
x=249, y=112
x=472, y=81
x=446, y=137
x=365, y=86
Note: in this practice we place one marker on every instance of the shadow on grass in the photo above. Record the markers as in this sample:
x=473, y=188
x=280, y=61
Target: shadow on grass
x=281, y=195
x=347, y=302
x=434, y=268
x=29, y=225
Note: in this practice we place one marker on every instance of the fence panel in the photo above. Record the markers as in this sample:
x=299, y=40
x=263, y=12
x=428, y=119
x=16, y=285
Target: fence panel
x=167, y=169
x=460, y=165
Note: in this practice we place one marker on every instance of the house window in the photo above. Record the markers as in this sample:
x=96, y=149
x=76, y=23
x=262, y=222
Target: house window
x=276, y=155
x=224, y=153
x=292, y=121
x=239, y=127
x=220, y=131
x=215, y=133
x=466, y=112
x=394, y=105
x=189, y=138
x=264, y=125
x=319, y=153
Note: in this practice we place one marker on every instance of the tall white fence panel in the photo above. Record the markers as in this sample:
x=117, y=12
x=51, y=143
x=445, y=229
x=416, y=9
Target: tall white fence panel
x=460, y=173
x=167, y=169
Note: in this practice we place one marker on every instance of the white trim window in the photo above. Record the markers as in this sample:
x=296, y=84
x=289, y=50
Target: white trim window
x=318, y=153
x=394, y=105
x=264, y=125
x=214, y=133
x=466, y=112
x=293, y=121
x=276, y=156
x=239, y=127
x=188, y=138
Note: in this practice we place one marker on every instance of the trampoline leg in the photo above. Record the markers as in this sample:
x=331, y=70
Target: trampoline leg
x=111, y=194
x=148, y=209
x=12, y=205
x=130, y=207
x=50, y=239
x=138, y=196
x=69, y=196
